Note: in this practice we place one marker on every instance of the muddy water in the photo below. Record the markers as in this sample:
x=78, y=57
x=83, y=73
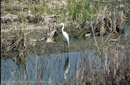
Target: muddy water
x=50, y=68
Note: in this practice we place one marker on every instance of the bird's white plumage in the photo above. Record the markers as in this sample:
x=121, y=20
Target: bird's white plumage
x=65, y=35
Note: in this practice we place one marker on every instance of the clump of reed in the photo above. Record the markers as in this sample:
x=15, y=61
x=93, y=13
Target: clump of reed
x=114, y=70
x=14, y=47
x=80, y=14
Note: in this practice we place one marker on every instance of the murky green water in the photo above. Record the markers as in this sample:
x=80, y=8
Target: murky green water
x=50, y=68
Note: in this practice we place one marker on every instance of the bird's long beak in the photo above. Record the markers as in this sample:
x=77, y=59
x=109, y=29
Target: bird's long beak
x=58, y=25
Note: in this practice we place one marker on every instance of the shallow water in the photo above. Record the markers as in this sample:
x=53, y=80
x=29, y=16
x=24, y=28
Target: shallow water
x=50, y=68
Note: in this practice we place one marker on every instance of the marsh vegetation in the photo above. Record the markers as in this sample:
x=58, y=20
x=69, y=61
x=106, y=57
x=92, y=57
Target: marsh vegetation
x=32, y=49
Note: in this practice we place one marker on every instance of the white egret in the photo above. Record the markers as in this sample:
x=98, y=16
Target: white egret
x=66, y=41
x=65, y=35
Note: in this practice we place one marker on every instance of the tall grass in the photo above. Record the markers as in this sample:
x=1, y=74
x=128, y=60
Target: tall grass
x=81, y=10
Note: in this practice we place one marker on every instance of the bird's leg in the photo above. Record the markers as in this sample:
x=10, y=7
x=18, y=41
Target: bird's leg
x=67, y=51
x=64, y=49
x=64, y=46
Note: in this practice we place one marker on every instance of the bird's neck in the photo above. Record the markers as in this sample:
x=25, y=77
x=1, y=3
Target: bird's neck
x=62, y=28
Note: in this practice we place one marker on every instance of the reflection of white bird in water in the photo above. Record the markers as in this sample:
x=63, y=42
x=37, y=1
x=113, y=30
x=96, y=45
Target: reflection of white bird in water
x=65, y=35
x=66, y=67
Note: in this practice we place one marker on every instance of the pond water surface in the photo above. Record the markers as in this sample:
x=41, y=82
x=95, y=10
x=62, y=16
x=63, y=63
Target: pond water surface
x=51, y=68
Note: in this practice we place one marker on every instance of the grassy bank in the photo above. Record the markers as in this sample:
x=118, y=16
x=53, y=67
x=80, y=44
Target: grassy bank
x=80, y=17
